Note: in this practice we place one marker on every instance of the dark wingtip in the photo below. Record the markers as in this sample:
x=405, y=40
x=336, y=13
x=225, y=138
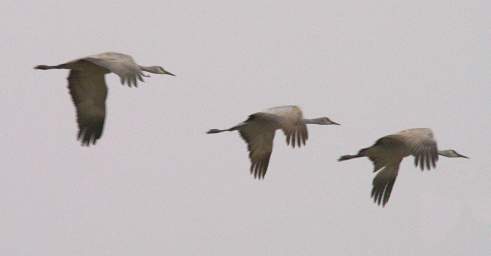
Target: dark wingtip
x=89, y=137
x=87, y=141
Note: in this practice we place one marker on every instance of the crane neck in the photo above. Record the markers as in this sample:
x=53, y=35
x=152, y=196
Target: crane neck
x=450, y=153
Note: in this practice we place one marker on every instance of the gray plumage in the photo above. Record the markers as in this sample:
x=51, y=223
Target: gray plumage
x=259, y=129
x=387, y=153
x=88, y=88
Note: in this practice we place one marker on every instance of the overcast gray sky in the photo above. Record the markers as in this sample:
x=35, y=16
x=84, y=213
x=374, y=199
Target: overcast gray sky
x=156, y=184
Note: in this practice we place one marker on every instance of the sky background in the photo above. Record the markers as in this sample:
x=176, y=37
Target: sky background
x=156, y=184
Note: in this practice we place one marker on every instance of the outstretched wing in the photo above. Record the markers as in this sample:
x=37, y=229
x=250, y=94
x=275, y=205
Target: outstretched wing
x=384, y=151
x=289, y=118
x=296, y=134
x=88, y=90
x=384, y=182
x=422, y=146
x=259, y=137
x=121, y=64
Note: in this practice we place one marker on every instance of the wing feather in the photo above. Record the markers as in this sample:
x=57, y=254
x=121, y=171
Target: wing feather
x=289, y=118
x=121, y=64
x=422, y=145
x=88, y=91
x=259, y=138
x=296, y=135
x=384, y=182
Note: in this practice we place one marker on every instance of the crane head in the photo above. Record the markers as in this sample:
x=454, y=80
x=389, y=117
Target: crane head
x=164, y=72
x=451, y=153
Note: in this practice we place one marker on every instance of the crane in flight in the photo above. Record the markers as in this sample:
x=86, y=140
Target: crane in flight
x=387, y=153
x=88, y=88
x=259, y=129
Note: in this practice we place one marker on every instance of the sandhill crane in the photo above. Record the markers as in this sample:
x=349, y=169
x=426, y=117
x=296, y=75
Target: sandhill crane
x=388, y=152
x=259, y=129
x=89, y=91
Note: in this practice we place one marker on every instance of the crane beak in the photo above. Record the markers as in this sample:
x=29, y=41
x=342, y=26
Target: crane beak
x=462, y=156
x=168, y=73
x=334, y=123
